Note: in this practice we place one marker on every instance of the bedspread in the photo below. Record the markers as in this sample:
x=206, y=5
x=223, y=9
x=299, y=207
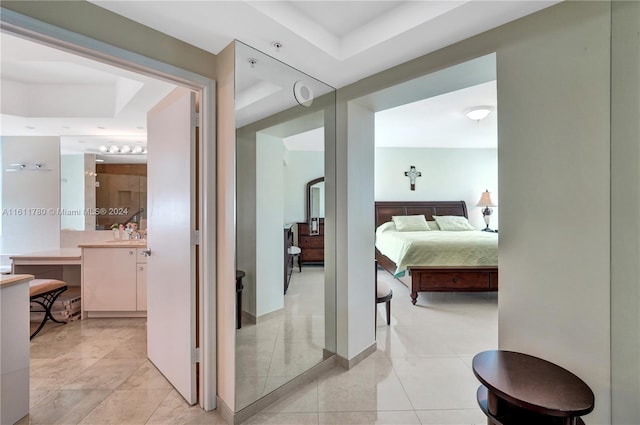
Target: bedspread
x=437, y=248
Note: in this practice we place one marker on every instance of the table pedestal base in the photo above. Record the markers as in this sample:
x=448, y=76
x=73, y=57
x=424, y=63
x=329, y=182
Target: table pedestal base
x=499, y=412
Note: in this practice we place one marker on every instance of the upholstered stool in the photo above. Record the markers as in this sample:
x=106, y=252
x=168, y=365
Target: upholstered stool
x=295, y=251
x=44, y=292
x=383, y=295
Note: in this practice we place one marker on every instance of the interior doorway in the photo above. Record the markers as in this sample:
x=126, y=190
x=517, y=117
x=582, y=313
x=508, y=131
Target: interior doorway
x=429, y=151
x=203, y=279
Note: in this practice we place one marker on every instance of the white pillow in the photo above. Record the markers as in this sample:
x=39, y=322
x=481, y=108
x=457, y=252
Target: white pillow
x=410, y=223
x=453, y=223
x=384, y=227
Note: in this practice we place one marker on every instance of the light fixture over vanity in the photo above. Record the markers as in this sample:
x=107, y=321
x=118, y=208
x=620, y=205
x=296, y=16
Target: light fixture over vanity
x=123, y=150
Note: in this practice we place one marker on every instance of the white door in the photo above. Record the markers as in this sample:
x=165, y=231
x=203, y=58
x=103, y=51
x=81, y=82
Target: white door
x=171, y=274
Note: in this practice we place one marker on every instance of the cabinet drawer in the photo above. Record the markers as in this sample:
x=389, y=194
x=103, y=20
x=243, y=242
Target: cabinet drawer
x=311, y=242
x=303, y=229
x=477, y=280
x=312, y=255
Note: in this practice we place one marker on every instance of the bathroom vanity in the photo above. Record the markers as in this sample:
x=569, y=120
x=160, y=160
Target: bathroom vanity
x=114, y=279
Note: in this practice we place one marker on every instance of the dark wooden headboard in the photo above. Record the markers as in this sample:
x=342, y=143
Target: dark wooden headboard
x=385, y=210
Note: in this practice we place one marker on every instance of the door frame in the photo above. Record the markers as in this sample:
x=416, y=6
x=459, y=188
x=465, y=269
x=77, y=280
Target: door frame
x=41, y=32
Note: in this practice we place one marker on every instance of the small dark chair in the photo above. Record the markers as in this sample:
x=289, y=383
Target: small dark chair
x=239, y=287
x=383, y=295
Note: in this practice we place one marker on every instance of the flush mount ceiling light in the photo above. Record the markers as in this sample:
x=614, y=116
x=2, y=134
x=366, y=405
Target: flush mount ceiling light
x=478, y=113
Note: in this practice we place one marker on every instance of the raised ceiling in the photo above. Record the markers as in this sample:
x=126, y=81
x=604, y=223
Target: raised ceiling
x=49, y=92
x=337, y=42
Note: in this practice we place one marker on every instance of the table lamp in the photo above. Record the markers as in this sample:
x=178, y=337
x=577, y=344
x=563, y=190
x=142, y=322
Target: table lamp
x=486, y=202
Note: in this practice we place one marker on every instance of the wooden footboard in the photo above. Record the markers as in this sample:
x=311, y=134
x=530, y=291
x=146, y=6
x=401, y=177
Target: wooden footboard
x=452, y=279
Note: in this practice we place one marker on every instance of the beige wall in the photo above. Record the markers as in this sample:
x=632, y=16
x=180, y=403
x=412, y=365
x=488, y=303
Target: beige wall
x=554, y=179
x=226, y=174
x=625, y=210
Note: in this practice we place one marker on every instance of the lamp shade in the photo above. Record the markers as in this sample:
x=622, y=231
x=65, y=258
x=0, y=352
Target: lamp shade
x=485, y=200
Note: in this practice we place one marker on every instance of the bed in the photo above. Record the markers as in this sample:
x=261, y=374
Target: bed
x=478, y=272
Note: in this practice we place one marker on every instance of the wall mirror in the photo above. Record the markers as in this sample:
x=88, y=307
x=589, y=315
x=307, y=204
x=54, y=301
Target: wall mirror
x=284, y=120
x=315, y=204
x=115, y=187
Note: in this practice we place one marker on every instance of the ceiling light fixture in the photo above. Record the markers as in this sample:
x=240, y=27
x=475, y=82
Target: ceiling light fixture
x=277, y=45
x=478, y=113
x=252, y=62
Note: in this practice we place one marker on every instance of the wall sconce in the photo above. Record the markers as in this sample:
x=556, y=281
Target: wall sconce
x=34, y=166
x=486, y=202
x=478, y=113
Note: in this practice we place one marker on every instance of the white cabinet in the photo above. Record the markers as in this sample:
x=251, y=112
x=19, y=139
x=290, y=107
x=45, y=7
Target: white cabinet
x=141, y=281
x=114, y=281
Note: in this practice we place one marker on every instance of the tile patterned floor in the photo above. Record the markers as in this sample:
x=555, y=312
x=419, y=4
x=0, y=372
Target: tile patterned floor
x=96, y=372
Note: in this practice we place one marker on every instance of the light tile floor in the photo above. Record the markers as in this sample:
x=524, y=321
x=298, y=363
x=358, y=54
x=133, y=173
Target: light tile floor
x=96, y=372
x=284, y=345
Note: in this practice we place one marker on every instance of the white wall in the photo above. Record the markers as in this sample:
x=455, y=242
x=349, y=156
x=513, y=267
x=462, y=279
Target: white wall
x=300, y=168
x=269, y=224
x=447, y=175
x=72, y=191
x=30, y=199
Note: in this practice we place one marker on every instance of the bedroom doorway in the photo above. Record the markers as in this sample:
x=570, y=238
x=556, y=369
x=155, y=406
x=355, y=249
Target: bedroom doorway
x=429, y=153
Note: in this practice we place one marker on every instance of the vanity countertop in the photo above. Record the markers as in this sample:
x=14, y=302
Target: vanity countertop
x=135, y=243
x=14, y=279
x=71, y=254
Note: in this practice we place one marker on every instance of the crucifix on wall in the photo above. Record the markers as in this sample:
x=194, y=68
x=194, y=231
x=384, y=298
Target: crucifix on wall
x=412, y=174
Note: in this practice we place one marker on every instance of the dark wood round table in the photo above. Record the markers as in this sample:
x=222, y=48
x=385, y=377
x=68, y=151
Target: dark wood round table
x=521, y=389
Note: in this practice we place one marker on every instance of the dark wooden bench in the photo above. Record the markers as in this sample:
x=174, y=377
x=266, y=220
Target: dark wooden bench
x=44, y=292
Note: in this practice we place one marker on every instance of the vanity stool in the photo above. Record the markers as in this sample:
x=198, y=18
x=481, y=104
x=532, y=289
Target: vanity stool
x=383, y=295
x=294, y=252
x=44, y=292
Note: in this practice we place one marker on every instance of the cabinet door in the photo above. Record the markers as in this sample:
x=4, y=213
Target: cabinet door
x=109, y=279
x=141, y=280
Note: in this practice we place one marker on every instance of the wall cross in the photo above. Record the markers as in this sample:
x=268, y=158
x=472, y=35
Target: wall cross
x=412, y=174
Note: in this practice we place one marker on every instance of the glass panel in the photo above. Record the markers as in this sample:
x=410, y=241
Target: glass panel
x=287, y=322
